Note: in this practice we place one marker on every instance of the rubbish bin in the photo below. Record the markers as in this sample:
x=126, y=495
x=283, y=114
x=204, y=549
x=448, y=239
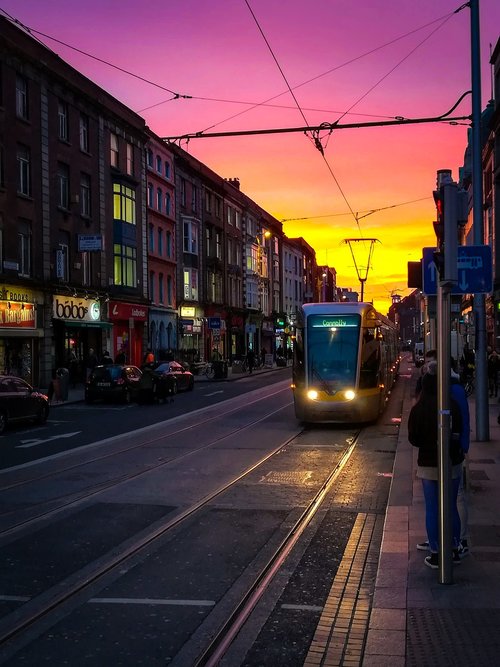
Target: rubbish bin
x=220, y=369
x=63, y=377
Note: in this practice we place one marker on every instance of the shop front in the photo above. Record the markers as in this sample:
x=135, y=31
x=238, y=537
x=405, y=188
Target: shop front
x=162, y=338
x=78, y=328
x=19, y=335
x=129, y=320
x=191, y=340
x=216, y=341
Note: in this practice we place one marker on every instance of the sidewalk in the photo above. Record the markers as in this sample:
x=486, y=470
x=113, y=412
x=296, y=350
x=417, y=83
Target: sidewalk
x=415, y=620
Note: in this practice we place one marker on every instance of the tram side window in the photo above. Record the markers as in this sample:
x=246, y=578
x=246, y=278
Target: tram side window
x=370, y=360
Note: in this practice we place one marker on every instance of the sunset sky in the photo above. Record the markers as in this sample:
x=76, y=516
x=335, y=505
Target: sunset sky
x=376, y=59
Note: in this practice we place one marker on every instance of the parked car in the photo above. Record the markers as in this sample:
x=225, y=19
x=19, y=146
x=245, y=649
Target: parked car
x=19, y=401
x=184, y=377
x=113, y=382
x=156, y=387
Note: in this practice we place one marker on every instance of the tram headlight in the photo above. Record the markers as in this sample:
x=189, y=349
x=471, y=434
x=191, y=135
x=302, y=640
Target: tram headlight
x=312, y=394
x=349, y=394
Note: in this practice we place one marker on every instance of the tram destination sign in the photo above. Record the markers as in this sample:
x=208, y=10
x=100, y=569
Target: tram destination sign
x=475, y=272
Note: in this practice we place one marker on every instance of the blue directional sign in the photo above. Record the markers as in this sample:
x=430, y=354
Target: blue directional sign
x=475, y=272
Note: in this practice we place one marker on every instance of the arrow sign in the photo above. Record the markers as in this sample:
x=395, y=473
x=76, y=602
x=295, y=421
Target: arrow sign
x=474, y=269
x=39, y=441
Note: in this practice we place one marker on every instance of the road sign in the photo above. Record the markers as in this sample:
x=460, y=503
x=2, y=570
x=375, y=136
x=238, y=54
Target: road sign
x=214, y=323
x=475, y=272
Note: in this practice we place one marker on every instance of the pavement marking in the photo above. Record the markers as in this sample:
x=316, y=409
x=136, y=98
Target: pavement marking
x=14, y=598
x=32, y=442
x=154, y=601
x=213, y=393
x=341, y=632
x=302, y=607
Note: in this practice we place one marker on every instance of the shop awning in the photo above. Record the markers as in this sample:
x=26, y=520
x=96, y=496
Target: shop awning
x=21, y=333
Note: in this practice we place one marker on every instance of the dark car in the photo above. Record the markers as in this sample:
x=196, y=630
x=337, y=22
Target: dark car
x=156, y=387
x=19, y=401
x=113, y=382
x=184, y=377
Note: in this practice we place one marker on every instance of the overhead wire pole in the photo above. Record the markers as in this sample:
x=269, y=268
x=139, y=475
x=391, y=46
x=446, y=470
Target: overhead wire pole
x=481, y=362
x=362, y=277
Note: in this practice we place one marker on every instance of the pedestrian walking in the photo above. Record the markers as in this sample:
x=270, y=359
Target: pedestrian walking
x=91, y=361
x=493, y=368
x=149, y=357
x=423, y=433
x=106, y=359
x=250, y=360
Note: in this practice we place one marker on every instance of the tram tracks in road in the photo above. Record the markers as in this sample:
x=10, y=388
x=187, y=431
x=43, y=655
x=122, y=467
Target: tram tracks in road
x=46, y=511
x=47, y=607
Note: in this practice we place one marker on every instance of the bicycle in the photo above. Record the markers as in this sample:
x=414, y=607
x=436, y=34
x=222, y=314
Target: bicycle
x=209, y=371
x=469, y=385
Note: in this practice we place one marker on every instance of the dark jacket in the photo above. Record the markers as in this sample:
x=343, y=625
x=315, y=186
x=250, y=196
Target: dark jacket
x=423, y=426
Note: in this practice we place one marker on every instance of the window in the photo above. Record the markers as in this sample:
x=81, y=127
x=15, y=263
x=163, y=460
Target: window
x=169, y=244
x=2, y=166
x=159, y=199
x=208, y=202
x=62, y=185
x=170, y=291
x=85, y=195
x=158, y=164
x=125, y=265
x=22, y=108
x=218, y=207
x=87, y=268
x=62, y=120
x=149, y=157
x=114, y=157
x=150, y=195
x=252, y=294
x=190, y=238
x=218, y=245
x=161, y=288
x=24, y=248
x=237, y=219
x=194, y=197
x=160, y=242
x=183, y=191
x=167, y=169
x=84, y=133
x=191, y=284
x=23, y=170
x=151, y=238
x=214, y=287
x=130, y=159
x=123, y=203
x=168, y=204
x=152, y=286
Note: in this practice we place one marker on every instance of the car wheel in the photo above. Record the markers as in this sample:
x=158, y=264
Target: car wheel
x=43, y=414
x=3, y=421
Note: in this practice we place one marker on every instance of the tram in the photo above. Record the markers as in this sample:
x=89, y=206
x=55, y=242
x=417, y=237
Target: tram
x=345, y=362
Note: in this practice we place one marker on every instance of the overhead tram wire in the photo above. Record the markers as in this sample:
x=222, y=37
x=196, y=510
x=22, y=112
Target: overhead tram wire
x=333, y=69
x=368, y=212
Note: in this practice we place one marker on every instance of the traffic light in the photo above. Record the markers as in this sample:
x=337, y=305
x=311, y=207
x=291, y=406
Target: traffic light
x=438, y=224
x=446, y=226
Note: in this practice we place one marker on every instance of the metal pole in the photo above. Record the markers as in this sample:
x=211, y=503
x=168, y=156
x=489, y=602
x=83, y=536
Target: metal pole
x=481, y=362
x=444, y=433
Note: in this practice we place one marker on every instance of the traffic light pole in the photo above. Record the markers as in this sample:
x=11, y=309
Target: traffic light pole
x=481, y=362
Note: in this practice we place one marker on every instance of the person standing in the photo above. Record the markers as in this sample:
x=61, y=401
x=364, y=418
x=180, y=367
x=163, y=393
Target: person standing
x=106, y=359
x=250, y=360
x=423, y=433
x=91, y=362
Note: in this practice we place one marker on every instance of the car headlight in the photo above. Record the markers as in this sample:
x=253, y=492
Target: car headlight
x=349, y=394
x=312, y=394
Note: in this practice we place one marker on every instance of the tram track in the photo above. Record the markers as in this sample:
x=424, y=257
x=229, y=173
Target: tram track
x=74, y=499
x=60, y=598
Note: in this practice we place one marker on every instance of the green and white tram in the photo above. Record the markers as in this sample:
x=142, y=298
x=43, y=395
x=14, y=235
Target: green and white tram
x=345, y=362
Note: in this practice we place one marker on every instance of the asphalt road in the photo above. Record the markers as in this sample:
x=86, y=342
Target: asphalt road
x=77, y=424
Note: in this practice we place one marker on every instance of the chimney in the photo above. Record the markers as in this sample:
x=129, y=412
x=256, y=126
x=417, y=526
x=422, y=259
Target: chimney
x=235, y=182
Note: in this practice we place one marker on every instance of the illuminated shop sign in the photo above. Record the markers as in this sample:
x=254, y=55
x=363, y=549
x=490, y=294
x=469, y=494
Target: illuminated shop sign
x=73, y=308
x=17, y=315
x=127, y=311
x=16, y=293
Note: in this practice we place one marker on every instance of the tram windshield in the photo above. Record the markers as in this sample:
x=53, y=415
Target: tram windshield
x=332, y=350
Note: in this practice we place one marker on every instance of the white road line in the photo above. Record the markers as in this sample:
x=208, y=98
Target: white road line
x=302, y=607
x=151, y=601
x=32, y=442
x=214, y=392
x=14, y=598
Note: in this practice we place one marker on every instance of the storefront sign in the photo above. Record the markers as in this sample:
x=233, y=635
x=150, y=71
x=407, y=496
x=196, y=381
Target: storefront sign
x=73, y=308
x=188, y=311
x=214, y=323
x=15, y=315
x=16, y=293
x=126, y=311
x=89, y=242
